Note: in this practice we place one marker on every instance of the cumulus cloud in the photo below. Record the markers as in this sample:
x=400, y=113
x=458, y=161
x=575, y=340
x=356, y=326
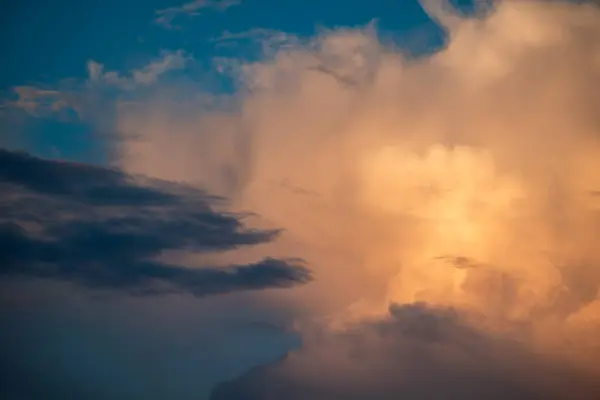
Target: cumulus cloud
x=166, y=16
x=104, y=229
x=447, y=201
x=462, y=178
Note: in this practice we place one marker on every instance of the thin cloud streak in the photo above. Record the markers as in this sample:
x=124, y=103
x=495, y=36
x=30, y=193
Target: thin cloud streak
x=166, y=16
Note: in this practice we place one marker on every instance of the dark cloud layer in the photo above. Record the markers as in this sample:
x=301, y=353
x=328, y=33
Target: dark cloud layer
x=417, y=352
x=103, y=228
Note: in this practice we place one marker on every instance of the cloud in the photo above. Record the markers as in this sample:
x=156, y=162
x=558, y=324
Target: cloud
x=461, y=178
x=104, y=229
x=40, y=102
x=269, y=41
x=166, y=16
x=151, y=72
x=85, y=98
x=144, y=76
x=416, y=352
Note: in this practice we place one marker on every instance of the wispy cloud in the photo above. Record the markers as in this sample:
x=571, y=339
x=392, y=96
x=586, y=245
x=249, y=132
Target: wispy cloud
x=79, y=96
x=41, y=102
x=261, y=35
x=166, y=16
x=144, y=76
x=102, y=228
x=266, y=41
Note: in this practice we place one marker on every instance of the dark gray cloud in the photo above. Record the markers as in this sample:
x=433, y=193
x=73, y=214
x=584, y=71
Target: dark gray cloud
x=417, y=352
x=106, y=229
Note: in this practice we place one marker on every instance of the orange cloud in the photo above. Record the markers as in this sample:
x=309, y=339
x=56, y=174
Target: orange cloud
x=462, y=178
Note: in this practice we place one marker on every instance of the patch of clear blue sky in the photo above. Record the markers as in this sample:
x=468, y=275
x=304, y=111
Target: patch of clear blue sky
x=45, y=41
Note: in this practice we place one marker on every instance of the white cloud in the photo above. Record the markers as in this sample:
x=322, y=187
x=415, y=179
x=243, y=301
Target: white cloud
x=483, y=153
x=166, y=16
x=144, y=76
x=270, y=40
x=151, y=72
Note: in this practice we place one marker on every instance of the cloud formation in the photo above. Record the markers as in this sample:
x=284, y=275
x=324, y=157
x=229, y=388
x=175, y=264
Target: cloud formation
x=448, y=202
x=417, y=352
x=166, y=16
x=463, y=178
x=102, y=228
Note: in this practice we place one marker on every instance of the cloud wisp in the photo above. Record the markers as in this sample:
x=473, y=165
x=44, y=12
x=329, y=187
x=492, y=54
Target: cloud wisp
x=144, y=76
x=166, y=16
x=82, y=97
x=102, y=228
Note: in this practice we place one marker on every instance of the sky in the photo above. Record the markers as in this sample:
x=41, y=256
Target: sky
x=242, y=199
